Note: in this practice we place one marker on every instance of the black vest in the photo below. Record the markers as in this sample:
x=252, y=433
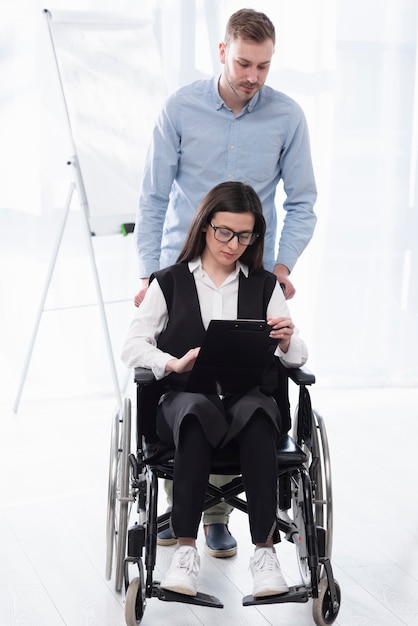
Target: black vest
x=185, y=328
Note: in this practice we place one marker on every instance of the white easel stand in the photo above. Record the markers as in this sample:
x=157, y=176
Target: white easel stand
x=41, y=309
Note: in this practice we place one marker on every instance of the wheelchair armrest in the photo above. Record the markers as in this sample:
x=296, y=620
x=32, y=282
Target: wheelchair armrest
x=301, y=375
x=143, y=375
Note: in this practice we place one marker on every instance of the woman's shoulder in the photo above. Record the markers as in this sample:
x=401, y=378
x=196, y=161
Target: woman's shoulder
x=178, y=269
x=261, y=273
x=171, y=278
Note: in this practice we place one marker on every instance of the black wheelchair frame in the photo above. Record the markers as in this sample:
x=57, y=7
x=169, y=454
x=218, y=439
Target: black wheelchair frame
x=304, y=490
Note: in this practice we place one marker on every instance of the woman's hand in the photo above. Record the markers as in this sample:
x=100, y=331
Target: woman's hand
x=282, y=329
x=184, y=364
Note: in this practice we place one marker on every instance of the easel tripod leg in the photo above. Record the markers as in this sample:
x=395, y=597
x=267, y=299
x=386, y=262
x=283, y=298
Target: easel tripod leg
x=44, y=297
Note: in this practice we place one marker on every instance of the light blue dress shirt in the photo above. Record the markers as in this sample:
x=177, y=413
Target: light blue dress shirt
x=199, y=142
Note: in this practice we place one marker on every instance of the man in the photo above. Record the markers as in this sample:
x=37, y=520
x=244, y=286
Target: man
x=231, y=127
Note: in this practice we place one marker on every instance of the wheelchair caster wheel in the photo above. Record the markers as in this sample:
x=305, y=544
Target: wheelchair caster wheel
x=323, y=611
x=134, y=602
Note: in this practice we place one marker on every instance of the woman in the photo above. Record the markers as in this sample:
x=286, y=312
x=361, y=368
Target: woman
x=219, y=275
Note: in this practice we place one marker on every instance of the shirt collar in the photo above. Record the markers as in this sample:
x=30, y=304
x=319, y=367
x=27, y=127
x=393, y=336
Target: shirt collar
x=196, y=264
x=220, y=103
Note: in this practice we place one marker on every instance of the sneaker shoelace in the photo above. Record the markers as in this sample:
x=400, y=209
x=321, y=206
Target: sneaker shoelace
x=265, y=561
x=187, y=559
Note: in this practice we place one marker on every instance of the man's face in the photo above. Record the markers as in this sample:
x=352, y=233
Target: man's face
x=247, y=65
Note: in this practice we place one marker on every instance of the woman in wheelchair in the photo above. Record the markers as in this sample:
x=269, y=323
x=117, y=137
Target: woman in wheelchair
x=219, y=275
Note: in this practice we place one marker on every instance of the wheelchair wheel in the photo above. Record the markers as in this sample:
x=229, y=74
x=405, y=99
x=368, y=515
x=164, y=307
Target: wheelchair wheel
x=300, y=541
x=319, y=467
x=118, y=492
x=323, y=611
x=323, y=503
x=111, y=494
x=135, y=599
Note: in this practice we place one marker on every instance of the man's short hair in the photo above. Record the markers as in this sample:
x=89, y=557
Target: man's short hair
x=251, y=25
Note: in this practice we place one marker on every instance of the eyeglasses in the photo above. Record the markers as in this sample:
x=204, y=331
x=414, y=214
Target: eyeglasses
x=246, y=238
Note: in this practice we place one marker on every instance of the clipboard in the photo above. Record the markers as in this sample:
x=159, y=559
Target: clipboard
x=233, y=357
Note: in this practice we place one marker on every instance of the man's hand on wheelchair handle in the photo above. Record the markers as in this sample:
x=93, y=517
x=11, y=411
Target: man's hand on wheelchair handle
x=282, y=275
x=141, y=293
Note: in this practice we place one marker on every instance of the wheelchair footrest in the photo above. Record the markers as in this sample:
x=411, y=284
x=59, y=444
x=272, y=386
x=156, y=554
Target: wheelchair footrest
x=295, y=594
x=202, y=599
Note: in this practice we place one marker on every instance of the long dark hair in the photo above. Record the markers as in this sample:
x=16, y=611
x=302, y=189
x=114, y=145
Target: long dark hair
x=231, y=197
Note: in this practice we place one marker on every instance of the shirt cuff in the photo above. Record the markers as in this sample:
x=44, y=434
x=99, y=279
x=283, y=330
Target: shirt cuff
x=296, y=356
x=159, y=365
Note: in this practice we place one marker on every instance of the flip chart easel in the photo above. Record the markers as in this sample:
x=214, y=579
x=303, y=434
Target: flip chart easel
x=110, y=75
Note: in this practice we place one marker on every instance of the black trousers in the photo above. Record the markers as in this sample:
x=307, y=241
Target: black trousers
x=257, y=444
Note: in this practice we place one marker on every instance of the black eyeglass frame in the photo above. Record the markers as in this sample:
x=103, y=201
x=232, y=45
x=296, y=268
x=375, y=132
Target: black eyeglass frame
x=254, y=236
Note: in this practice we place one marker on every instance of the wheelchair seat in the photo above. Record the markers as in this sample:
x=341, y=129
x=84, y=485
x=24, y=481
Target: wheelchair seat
x=225, y=460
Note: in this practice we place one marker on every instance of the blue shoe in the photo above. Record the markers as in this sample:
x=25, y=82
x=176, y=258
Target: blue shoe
x=166, y=538
x=219, y=541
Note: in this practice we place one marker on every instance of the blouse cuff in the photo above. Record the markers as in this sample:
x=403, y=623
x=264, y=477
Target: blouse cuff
x=296, y=356
x=159, y=366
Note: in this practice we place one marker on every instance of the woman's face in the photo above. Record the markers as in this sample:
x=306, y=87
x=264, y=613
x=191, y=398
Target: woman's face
x=226, y=253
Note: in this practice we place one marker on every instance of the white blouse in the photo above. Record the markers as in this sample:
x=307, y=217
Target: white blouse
x=140, y=349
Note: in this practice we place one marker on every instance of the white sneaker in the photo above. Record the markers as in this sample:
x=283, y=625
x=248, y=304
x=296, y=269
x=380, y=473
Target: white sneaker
x=268, y=578
x=182, y=574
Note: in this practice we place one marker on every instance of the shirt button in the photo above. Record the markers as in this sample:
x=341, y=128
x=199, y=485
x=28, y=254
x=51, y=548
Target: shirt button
x=232, y=147
x=229, y=175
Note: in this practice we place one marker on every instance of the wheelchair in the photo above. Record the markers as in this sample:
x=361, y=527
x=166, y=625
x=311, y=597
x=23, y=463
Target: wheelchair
x=304, y=516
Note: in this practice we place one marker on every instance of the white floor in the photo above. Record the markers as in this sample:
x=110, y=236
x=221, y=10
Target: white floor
x=53, y=472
